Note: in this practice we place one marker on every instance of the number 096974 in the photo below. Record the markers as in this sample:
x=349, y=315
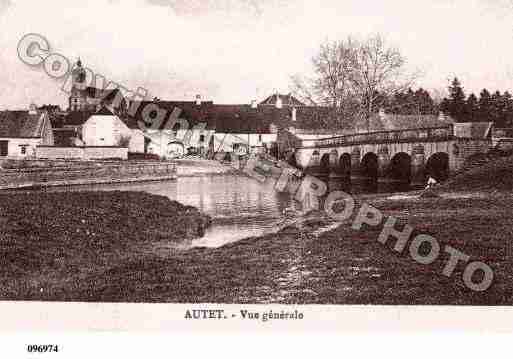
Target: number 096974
x=37, y=348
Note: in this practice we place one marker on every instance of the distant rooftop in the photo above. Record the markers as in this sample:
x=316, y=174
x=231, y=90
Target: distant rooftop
x=241, y=118
x=20, y=124
x=286, y=101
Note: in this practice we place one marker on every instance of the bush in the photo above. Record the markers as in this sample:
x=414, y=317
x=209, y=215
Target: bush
x=124, y=141
x=143, y=156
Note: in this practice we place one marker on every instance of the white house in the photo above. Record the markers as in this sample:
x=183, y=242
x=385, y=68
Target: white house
x=22, y=131
x=175, y=144
x=104, y=129
x=238, y=142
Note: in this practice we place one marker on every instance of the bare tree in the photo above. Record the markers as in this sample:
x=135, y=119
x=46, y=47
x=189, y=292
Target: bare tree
x=352, y=77
x=378, y=73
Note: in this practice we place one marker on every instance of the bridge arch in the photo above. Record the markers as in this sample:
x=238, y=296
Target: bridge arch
x=344, y=165
x=324, y=166
x=369, y=165
x=313, y=160
x=400, y=167
x=437, y=166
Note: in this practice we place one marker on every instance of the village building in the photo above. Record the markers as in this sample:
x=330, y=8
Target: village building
x=102, y=128
x=214, y=128
x=89, y=98
x=22, y=131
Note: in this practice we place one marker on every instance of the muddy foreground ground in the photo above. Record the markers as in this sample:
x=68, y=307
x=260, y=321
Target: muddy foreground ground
x=110, y=247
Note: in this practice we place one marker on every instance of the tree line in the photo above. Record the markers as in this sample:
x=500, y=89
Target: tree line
x=357, y=78
x=494, y=107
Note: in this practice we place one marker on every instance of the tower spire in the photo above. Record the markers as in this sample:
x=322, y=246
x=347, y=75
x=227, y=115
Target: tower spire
x=79, y=62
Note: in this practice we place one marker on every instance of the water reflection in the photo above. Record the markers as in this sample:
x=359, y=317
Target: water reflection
x=366, y=185
x=239, y=205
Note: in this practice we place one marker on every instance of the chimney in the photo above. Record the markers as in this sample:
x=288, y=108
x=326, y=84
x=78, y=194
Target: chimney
x=279, y=104
x=198, y=100
x=294, y=113
x=254, y=104
x=32, y=109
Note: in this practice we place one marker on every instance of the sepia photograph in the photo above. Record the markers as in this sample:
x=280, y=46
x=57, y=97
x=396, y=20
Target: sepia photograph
x=255, y=160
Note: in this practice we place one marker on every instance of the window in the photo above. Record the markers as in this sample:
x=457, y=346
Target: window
x=202, y=138
x=4, y=148
x=23, y=149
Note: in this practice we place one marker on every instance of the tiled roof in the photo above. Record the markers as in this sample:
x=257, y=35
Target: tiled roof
x=20, y=124
x=286, y=100
x=77, y=118
x=241, y=118
x=104, y=111
x=401, y=122
x=107, y=95
x=380, y=122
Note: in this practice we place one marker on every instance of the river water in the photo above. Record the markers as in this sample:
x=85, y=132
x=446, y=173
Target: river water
x=240, y=206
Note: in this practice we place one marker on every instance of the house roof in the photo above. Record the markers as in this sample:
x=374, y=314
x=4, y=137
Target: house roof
x=402, y=122
x=21, y=124
x=286, y=100
x=388, y=122
x=473, y=129
x=239, y=118
x=107, y=95
x=77, y=118
x=104, y=111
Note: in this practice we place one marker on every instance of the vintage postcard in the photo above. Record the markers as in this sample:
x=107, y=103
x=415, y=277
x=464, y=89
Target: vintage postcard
x=227, y=165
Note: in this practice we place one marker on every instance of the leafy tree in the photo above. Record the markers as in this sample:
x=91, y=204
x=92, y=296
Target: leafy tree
x=412, y=103
x=456, y=104
x=426, y=104
x=497, y=109
x=472, y=108
x=508, y=110
x=485, y=106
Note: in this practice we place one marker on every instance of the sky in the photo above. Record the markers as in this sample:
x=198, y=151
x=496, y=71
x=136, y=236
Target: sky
x=234, y=51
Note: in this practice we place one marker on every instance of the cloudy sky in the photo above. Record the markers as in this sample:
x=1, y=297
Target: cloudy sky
x=232, y=51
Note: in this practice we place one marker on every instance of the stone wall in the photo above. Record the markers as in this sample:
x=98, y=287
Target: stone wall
x=86, y=152
x=465, y=148
x=90, y=173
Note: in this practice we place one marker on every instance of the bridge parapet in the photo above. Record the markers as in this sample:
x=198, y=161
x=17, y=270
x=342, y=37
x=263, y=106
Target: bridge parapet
x=394, y=136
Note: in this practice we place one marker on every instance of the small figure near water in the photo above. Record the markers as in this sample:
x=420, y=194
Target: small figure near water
x=428, y=191
x=431, y=183
x=289, y=211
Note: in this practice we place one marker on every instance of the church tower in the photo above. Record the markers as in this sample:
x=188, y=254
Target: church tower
x=77, y=99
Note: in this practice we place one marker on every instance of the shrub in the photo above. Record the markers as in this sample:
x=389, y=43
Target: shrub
x=124, y=141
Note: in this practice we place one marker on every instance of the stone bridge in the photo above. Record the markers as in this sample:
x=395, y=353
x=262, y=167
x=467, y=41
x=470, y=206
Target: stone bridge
x=399, y=155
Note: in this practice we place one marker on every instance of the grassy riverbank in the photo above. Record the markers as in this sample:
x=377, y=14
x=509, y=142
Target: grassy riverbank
x=54, y=240
x=340, y=266
x=343, y=266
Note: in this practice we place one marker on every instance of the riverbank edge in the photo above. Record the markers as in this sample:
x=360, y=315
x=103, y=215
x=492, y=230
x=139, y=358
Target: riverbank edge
x=85, y=182
x=306, y=245
x=90, y=173
x=184, y=168
x=204, y=167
